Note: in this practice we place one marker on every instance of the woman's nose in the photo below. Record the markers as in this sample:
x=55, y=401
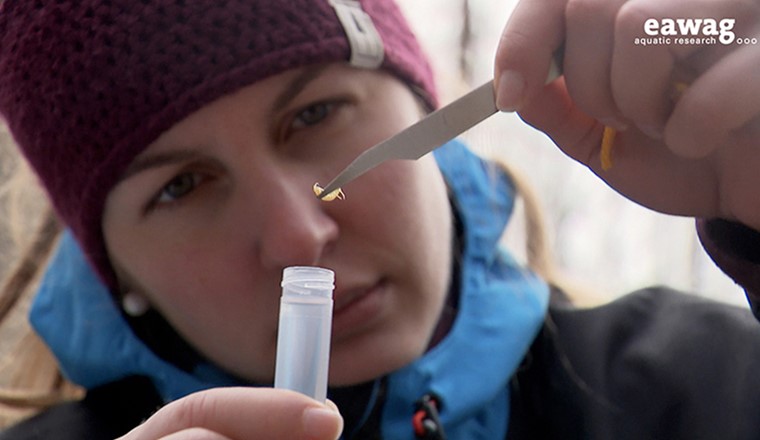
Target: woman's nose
x=294, y=226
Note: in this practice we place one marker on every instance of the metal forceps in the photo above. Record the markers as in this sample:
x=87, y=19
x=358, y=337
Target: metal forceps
x=429, y=133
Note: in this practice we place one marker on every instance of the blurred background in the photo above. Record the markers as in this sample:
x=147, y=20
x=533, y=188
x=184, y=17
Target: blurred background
x=600, y=239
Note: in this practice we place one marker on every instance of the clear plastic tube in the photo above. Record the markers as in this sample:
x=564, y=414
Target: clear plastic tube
x=303, y=338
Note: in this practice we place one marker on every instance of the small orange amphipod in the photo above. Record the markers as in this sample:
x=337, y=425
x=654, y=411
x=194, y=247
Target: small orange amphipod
x=337, y=194
x=608, y=140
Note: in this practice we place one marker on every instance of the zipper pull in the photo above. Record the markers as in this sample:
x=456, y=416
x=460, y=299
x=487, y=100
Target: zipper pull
x=426, y=423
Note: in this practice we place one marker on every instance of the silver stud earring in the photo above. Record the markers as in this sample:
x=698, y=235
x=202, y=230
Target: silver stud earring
x=134, y=304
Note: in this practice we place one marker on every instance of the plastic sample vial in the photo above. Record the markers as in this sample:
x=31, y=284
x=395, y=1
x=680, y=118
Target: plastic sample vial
x=303, y=337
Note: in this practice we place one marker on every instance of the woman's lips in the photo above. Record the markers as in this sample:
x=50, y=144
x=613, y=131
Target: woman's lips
x=355, y=308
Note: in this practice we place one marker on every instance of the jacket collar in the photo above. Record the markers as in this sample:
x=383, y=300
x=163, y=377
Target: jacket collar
x=501, y=307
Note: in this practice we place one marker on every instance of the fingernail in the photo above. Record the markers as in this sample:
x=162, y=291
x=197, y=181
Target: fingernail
x=510, y=91
x=615, y=123
x=330, y=404
x=652, y=131
x=321, y=423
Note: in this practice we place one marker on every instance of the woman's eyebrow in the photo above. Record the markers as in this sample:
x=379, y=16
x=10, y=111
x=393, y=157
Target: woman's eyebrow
x=158, y=160
x=290, y=92
x=296, y=86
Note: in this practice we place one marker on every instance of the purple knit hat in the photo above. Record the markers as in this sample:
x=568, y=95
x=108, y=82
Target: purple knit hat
x=86, y=85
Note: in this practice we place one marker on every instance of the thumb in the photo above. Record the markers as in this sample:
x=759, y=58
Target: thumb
x=533, y=35
x=243, y=413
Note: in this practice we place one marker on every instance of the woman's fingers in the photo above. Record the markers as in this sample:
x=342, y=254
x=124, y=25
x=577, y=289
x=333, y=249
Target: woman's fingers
x=718, y=108
x=609, y=73
x=679, y=77
x=588, y=57
x=242, y=413
x=663, y=47
x=535, y=31
x=554, y=112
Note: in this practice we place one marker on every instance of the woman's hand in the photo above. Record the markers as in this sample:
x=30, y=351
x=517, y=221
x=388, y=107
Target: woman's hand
x=241, y=414
x=689, y=151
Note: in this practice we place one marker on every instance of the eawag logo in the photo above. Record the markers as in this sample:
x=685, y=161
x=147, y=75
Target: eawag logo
x=691, y=31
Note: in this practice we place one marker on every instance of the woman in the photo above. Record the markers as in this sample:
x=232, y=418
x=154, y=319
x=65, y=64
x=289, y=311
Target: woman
x=179, y=142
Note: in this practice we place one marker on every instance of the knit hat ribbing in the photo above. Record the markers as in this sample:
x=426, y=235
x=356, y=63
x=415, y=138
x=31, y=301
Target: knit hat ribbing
x=86, y=85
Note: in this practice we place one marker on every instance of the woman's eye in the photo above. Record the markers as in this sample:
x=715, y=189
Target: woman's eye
x=313, y=114
x=178, y=187
x=314, y=119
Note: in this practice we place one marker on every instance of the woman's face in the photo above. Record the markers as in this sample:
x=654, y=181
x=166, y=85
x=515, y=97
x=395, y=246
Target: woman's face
x=206, y=218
